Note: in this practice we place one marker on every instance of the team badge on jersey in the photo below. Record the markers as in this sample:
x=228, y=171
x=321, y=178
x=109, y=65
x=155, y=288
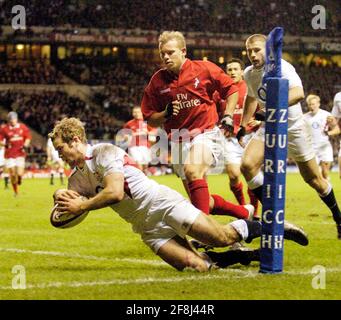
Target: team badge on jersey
x=196, y=83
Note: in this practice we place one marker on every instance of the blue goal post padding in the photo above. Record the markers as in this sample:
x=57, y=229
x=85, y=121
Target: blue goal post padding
x=276, y=127
x=275, y=156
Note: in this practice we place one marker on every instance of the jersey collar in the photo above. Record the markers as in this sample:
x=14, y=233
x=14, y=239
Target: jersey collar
x=88, y=152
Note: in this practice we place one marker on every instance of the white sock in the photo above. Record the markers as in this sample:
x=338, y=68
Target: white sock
x=207, y=260
x=256, y=181
x=241, y=227
x=324, y=194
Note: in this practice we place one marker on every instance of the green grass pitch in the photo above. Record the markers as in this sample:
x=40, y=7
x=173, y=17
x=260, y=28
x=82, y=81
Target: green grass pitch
x=103, y=259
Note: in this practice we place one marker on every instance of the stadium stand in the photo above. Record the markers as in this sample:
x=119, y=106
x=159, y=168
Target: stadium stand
x=29, y=72
x=218, y=16
x=41, y=109
x=112, y=82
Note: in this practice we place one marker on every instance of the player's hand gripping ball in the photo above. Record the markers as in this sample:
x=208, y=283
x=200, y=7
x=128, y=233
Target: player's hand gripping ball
x=66, y=220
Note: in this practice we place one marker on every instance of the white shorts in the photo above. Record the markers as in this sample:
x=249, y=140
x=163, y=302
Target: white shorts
x=212, y=139
x=2, y=157
x=56, y=160
x=324, y=154
x=15, y=162
x=233, y=151
x=300, y=145
x=340, y=150
x=169, y=215
x=141, y=154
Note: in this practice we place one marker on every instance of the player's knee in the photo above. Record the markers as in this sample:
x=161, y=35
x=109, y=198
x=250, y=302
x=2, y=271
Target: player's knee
x=316, y=181
x=193, y=172
x=234, y=180
x=233, y=174
x=220, y=239
x=194, y=262
x=246, y=166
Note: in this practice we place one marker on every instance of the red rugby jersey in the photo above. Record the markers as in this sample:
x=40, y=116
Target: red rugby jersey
x=140, y=131
x=194, y=88
x=14, y=139
x=238, y=111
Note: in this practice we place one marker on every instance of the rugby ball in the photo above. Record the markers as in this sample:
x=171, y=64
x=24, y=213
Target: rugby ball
x=65, y=220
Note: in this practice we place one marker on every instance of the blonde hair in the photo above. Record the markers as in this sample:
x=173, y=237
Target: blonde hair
x=172, y=35
x=255, y=37
x=311, y=97
x=67, y=129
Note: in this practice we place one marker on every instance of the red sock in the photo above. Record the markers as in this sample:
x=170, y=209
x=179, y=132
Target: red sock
x=200, y=196
x=253, y=201
x=15, y=187
x=223, y=207
x=237, y=190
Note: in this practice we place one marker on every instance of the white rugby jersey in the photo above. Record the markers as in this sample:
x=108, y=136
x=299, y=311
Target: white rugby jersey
x=54, y=152
x=253, y=78
x=336, y=111
x=2, y=156
x=318, y=125
x=103, y=159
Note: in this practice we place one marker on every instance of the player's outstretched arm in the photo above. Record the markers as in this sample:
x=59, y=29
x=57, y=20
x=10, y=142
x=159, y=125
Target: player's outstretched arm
x=296, y=94
x=157, y=119
x=250, y=107
x=231, y=102
x=113, y=192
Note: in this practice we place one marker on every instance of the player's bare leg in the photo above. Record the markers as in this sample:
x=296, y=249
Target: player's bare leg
x=340, y=167
x=196, y=166
x=20, y=173
x=211, y=232
x=61, y=172
x=325, y=169
x=236, y=185
x=197, y=163
x=52, y=174
x=311, y=174
x=252, y=161
x=179, y=255
x=14, y=179
x=5, y=175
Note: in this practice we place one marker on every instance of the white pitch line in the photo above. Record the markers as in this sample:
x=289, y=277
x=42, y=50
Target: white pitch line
x=225, y=276
x=86, y=257
x=126, y=282
x=224, y=273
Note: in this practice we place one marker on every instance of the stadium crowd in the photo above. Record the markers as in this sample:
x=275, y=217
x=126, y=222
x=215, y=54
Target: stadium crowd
x=95, y=72
x=30, y=72
x=119, y=86
x=41, y=110
x=233, y=16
